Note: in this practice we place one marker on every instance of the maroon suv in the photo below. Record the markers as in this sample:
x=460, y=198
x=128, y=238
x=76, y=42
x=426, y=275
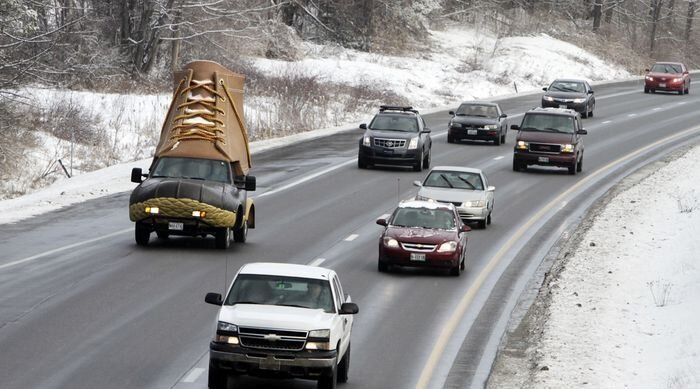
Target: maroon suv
x=423, y=234
x=667, y=76
x=549, y=137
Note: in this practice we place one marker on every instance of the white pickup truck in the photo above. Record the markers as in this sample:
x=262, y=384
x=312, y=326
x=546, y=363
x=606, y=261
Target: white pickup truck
x=282, y=320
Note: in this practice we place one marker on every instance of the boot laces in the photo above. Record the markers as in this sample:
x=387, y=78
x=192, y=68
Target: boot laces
x=200, y=118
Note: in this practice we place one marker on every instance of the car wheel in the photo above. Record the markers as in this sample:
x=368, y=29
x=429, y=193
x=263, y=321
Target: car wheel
x=142, y=234
x=653, y=90
x=681, y=92
x=330, y=380
x=579, y=167
x=590, y=113
x=585, y=113
x=361, y=163
x=456, y=271
x=163, y=235
x=426, y=162
x=497, y=141
x=646, y=90
x=223, y=238
x=240, y=235
x=450, y=139
x=488, y=218
x=418, y=166
x=217, y=378
x=463, y=264
x=481, y=224
x=382, y=267
x=572, y=168
x=503, y=139
x=344, y=367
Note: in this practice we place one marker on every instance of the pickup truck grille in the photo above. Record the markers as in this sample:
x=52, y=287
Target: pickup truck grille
x=390, y=143
x=545, y=148
x=418, y=247
x=271, y=339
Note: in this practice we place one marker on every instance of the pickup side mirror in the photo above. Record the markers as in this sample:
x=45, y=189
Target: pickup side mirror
x=466, y=228
x=245, y=182
x=136, y=175
x=491, y=189
x=544, y=89
x=349, y=309
x=417, y=183
x=363, y=126
x=382, y=222
x=514, y=127
x=582, y=132
x=214, y=299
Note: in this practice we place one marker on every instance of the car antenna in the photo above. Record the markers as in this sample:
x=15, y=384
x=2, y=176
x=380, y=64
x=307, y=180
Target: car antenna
x=398, y=189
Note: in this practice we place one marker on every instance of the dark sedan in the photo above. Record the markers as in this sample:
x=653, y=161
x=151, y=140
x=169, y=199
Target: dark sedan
x=477, y=120
x=571, y=94
x=423, y=234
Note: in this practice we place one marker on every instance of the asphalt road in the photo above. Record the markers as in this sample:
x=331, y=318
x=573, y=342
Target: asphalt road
x=81, y=306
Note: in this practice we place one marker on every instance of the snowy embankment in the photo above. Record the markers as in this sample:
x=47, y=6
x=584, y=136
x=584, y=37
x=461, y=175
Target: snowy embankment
x=622, y=310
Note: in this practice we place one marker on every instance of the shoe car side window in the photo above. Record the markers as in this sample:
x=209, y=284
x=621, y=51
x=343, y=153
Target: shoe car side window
x=394, y=123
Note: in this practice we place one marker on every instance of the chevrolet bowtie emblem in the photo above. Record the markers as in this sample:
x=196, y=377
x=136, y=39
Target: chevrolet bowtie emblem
x=272, y=337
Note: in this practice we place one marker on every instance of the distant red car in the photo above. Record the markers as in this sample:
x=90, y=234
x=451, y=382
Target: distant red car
x=424, y=234
x=667, y=76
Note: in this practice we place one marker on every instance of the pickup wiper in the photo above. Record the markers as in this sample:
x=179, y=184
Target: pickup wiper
x=194, y=178
x=246, y=302
x=557, y=130
x=161, y=176
x=293, y=305
x=529, y=129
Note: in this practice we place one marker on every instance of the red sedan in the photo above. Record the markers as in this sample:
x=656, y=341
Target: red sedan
x=667, y=76
x=423, y=234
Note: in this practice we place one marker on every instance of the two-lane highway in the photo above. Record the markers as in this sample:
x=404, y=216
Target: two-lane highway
x=98, y=311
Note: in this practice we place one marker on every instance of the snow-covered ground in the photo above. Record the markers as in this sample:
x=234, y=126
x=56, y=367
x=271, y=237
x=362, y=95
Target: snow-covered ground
x=622, y=312
x=461, y=64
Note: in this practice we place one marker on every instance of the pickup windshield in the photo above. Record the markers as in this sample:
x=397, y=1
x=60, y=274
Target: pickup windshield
x=281, y=290
x=548, y=123
x=192, y=168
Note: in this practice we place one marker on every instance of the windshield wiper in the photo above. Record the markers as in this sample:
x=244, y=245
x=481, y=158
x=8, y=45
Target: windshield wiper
x=246, y=302
x=293, y=305
x=446, y=180
x=194, y=178
x=557, y=130
x=529, y=129
x=466, y=182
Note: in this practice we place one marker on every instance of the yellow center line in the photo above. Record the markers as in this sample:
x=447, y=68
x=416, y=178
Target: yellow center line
x=451, y=325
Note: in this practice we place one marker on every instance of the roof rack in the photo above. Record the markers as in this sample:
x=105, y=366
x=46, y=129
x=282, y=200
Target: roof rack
x=383, y=108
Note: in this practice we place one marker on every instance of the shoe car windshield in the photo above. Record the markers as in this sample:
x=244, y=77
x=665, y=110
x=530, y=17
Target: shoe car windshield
x=480, y=110
x=567, y=86
x=192, y=168
x=548, y=123
x=401, y=123
x=437, y=218
x=282, y=291
x=455, y=180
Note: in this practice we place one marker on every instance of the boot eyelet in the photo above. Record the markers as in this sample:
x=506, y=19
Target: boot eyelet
x=221, y=81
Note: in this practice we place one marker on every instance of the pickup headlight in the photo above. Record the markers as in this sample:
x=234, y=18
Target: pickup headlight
x=567, y=148
x=227, y=328
x=447, y=247
x=490, y=127
x=413, y=144
x=319, y=340
x=579, y=101
x=474, y=204
x=391, y=242
x=366, y=141
x=522, y=145
x=548, y=98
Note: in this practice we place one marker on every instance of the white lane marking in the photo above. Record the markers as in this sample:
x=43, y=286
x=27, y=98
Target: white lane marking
x=632, y=115
x=499, y=157
x=193, y=375
x=681, y=103
x=656, y=108
x=607, y=121
x=64, y=248
x=351, y=237
x=308, y=178
x=317, y=261
x=617, y=94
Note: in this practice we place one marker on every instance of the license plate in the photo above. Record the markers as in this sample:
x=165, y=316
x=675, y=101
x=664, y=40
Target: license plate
x=562, y=106
x=270, y=364
x=175, y=226
x=543, y=159
x=418, y=257
x=662, y=85
x=472, y=132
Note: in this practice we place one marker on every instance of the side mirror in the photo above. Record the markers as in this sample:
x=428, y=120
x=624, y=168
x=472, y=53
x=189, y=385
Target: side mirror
x=250, y=183
x=590, y=92
x=136, y=174
x=504, y=115
x=349, y=309
x=426, y=130
x=214, y=299
x=685, y=73
x=382, y=222
x=491, y=189
x=544, y=89
x=363, y=126
x=514, y=127
x=417, y=183
x=582, y=132
x=466, y=228
x=646, y=70
x=452, y=113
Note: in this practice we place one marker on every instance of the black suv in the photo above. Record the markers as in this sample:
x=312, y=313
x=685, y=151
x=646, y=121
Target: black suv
x=549, y=137
x=395, y=136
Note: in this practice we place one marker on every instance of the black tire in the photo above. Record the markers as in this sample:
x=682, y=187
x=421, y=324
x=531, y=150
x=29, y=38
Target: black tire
x=426, y=161
x=142, y=234
x=217, y=378
x=382, y=267
x=590, y=114
x=687, y=90
x=456, y=271
x=481, y=224
x=450, y=139
x=497, y=141
x=330, y=380
x=418, y=166
x=361, y=163
x=573, y=168
x=163, y=235
x=584, y=114
x=344, y=367
x=463, y=264
x=653, y=90
x=240, y=235
x=223, y=238
x=681, y=92
x=488, y=218
x=503, y=139
x=646, y=90
x=516, y=166
x=579, y=167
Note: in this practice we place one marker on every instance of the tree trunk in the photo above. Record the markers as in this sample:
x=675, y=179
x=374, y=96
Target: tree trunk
x=610, y=9
x=597, y=12
x=175, y=44
x=689, y=20
x=125, y=22
x=656, y=6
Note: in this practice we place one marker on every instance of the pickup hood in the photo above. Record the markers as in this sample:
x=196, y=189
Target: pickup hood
x=451, y=195
x=474, y=120
x=545, y=137
x=565, y=95
x=421, y=235
x=217, y=194
x=392, y=134
x=276, y=317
